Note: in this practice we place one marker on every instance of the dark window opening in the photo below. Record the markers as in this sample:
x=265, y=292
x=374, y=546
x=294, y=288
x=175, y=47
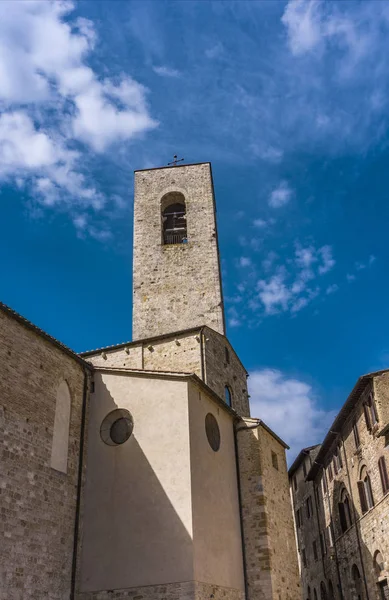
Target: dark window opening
x=174, y=219
x=356, y=435
x=304, y=469
x=383, y=474
x=227, y=355
x=274, y=460
x=330, y=474
x=314, y=547
x=212, y=431
x=227, y=395
x=344, y=512
x=365, y=491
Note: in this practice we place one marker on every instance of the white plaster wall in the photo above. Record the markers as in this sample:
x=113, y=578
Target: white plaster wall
x=216, y=525
x=137, y=512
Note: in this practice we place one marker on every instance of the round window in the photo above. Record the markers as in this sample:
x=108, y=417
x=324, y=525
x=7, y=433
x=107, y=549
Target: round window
x=213, y=432
x=117, y=427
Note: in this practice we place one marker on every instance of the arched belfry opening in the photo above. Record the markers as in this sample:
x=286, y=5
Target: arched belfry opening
x=173, y=213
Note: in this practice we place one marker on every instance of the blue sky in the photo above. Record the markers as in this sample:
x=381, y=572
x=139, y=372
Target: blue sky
x=288, y=100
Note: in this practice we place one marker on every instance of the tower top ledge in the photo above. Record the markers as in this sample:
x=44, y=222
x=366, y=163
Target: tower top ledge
x=173, y=167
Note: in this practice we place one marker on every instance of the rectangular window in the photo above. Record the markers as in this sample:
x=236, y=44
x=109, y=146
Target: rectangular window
x=356, y=435
x=367, y=416
x=304, y=557
x=299, y=518
x=362, y=496
x=330, y=475
x=227, y=355
x=309, y=507
x=304, y=469
x=324, y=484
x=383, y=474
x=314, y=546
x=274, y=460
x=373, y=409
x=323, y=545
x=330, y=536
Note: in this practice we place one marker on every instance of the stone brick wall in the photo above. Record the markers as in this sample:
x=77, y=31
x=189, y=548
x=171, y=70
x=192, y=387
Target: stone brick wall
x=270, y=546
x=37, y=502
x=369, y=532
x=188, y=590
x=182, y=353
x=302, y=492
x=221, y=371
x=175, y=286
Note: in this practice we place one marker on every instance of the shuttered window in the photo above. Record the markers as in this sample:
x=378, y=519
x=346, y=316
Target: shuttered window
x=383, y=474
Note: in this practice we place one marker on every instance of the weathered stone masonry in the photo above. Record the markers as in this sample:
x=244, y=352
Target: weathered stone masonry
x=175, y=286
x=37, y=502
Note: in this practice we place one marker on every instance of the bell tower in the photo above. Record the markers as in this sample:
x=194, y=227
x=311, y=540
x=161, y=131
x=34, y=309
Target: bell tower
x=176, y=270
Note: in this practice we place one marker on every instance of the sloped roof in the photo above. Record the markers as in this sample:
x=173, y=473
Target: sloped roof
x=340, y=420
x=49, y=338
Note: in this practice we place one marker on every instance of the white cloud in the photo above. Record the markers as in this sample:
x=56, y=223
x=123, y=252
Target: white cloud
x=50, y=99
x=280, y=195
x=165, y=71
x=331, y=289
x=303, y=21
x=260, y=223
x=288, y=405
x=244, y=261
x=305, y=257
x=274, y=294
x=327, y=260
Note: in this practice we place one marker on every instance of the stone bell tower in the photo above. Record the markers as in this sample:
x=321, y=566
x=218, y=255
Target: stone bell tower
x=176, y=270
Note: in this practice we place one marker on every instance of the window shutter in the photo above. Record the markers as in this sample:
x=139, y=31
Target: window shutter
x=369, y=492
x=342, y=516
x=362, y=496
x=383, y=474
x=367, y=416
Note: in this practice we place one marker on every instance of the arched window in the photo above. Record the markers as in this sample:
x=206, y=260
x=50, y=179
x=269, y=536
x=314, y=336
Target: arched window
x=309, y=593
x=357, y=583
x=331, y=594
x=365, y=491
x=344, y=511
x=173, y=211
x=323, y=591
x=60, y=443
x=314, y=594
x=227, y=395
x=378, y=563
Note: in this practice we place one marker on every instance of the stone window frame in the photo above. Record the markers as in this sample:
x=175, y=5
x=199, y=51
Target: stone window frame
x=61, y=428
x=357, y=439
x=378, y=565
x=365, y=490
x=228, y=395
x=345, y=518
x=383, y=469
x=177, y=196
x=370, y=411
x=274, y=459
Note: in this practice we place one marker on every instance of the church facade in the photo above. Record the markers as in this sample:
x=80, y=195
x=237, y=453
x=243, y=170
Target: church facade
x=136, y=471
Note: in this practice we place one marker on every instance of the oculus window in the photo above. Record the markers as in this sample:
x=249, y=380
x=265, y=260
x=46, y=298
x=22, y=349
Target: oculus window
x=117, y=427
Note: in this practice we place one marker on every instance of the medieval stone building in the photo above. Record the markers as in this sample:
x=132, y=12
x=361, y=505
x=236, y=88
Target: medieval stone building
x=340, y=493
x=136, y=471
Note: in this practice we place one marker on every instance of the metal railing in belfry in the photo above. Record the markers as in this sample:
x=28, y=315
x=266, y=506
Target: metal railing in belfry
x=174, y=237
